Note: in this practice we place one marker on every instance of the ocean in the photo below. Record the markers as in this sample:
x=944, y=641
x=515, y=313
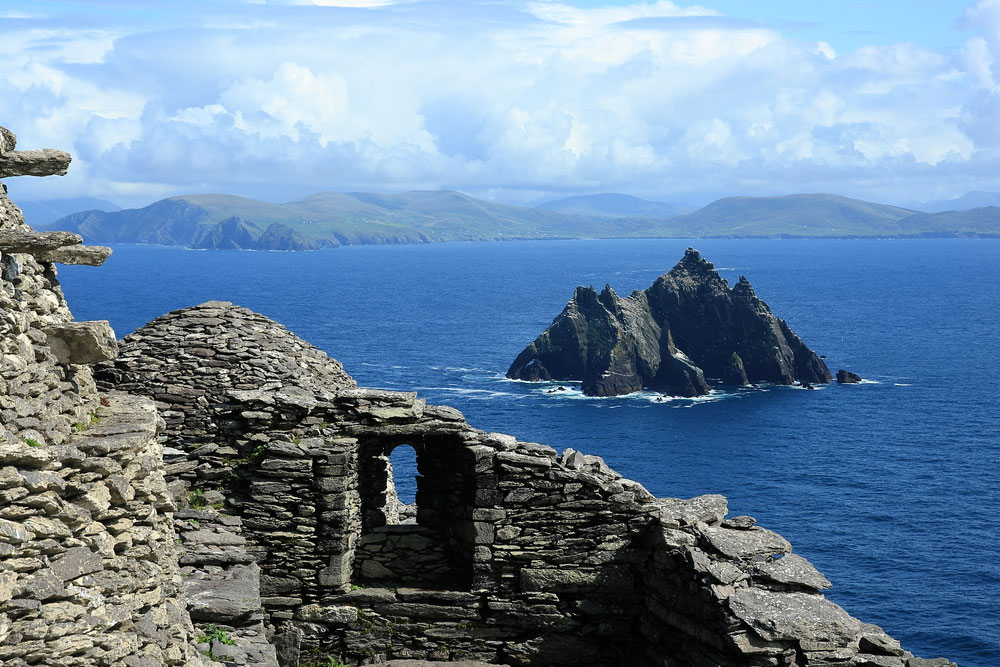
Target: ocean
x=890, y=487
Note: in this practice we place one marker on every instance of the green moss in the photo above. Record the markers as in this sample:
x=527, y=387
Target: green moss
x=31, y=442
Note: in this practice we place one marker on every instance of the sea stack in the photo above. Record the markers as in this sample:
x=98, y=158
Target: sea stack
x=688, y=326
x=847, y=377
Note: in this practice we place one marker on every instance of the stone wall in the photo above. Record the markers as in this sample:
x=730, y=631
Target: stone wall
x=88, y=556
x=40, y=399
x=88, y=560
x=518, y=555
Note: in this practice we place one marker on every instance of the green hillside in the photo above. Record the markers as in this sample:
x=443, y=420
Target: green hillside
x=792, y=215
x=983, y=221
x=613, y=205
x=422, y=216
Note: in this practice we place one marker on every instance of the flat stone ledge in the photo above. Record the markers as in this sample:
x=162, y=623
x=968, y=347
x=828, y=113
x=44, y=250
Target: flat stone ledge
x=82, y=254
x=33, y=243
x=794, y=617
x=46, y=162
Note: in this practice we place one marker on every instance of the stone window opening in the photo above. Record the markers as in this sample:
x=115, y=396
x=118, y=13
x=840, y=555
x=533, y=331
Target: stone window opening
x=419, y=543
x=399, y=498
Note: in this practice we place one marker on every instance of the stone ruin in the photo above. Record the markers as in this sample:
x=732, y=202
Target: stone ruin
x=89, y=571
x=223, y=494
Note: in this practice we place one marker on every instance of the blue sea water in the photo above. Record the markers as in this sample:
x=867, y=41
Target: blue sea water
x=890, y=488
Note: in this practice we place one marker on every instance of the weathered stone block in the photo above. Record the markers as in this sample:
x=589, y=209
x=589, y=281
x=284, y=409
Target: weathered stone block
x=791, y=570
x=794, y=616
x=82, y=342
x=225, y=599
x=75, y=563
x=746, y=543
x=79, y=254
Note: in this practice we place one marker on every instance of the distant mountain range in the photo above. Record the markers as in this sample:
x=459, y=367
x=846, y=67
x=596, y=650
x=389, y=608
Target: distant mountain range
x=421, y=216
x=42, y=212
x=614, y=205
x=970, y=200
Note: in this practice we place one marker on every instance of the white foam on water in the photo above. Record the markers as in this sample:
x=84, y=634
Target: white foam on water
x=472, y=393
x=814, y=387
x=901, y=384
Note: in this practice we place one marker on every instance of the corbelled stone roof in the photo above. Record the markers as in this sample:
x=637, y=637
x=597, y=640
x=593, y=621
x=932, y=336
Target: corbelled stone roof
x=189, y=359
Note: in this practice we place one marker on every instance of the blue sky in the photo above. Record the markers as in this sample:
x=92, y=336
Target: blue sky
x=512, y=101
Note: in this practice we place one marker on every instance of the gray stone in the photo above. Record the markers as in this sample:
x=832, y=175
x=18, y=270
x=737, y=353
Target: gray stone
x=362, y=596
x=739, y=522
x=710, y=508
x=79, y=254
x=214, y=538
x=42, y=585
x=8, y=141
x=228, y=598
x=45, y=162
x=791, y=569
x=76, y=562
x=30, y=243
x=14, y=533
x=794, y=616
x=315, y=613
x=82, y=342
x=880, y=644
x=746, y=544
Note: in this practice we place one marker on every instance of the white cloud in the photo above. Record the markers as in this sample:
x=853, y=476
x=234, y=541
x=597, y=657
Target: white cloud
x=650, y=98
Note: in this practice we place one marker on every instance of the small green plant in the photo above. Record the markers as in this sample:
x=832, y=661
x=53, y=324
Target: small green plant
x=31, y=442
x=356, y=587
x=259, y=451
x=95, y=417
x=195, y=522
x=327, y=661
x=215, y=633
x=296, y=440
x=365, y=621
x=196, y=499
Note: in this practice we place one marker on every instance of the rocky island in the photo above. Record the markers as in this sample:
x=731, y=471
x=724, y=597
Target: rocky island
x=214, y=490
x=688, y=326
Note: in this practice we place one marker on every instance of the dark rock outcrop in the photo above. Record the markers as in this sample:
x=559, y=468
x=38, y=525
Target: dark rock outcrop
x=847, y=377
x=687, y=326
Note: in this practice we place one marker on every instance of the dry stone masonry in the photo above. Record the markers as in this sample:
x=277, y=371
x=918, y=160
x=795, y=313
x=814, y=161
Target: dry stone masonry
x=223, y=494
x=518, y=555
x=89, y=571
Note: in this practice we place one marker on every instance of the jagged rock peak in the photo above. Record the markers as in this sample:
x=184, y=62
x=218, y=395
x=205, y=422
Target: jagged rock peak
x=688, y=325
x=693, y=263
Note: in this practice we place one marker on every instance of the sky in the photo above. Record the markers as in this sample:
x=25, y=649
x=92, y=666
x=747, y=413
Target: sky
x=513, y=101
